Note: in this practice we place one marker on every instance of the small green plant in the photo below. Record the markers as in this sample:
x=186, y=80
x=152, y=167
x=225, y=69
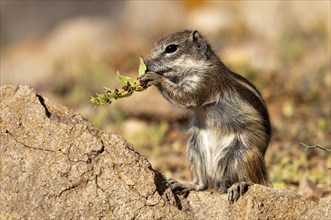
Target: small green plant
x=129, y=86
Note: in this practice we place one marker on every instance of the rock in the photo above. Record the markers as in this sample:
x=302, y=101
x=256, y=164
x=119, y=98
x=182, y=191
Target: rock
x=56, y=165
x=258, y=203
x=321, y=211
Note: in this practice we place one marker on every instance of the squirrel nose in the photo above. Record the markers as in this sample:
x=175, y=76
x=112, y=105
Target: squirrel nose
x=147, y=63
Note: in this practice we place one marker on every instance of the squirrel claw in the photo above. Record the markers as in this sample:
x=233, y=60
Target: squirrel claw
x=237, y=190
x=150, y=78
x=183, y=188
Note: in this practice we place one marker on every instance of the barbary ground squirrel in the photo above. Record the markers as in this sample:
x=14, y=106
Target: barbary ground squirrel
x=231, y=127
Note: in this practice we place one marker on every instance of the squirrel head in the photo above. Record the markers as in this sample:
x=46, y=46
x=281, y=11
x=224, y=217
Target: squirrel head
x=179, y=54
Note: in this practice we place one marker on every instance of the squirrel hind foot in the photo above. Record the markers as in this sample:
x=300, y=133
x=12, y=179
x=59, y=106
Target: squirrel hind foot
x=184, y=188
x=237, y=190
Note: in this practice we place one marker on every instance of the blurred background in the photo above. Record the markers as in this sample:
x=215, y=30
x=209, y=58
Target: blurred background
x=69, y=50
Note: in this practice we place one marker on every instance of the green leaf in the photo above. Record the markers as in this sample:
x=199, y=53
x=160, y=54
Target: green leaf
x=99, y=100
x=124, y=80
x=129, y=87
x=142, y=67
x=126, y=94
x=112, y=95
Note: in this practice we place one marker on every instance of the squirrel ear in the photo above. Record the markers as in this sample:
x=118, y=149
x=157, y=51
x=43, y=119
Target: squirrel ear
x=199, y=40
x=195, y=35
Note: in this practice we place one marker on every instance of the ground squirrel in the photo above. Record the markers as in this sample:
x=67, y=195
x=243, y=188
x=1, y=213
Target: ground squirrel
x=230, y=128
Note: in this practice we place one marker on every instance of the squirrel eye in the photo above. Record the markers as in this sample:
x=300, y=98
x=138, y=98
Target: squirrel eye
x=171, y=48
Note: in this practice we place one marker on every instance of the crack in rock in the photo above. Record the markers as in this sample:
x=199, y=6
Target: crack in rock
x=42, y=102
x=27, y=146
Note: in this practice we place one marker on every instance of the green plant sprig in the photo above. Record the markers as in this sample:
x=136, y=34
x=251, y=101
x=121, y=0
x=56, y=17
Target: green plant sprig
x=129, y=86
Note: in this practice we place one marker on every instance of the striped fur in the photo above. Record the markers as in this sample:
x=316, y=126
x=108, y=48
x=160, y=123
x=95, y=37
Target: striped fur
x=230, y=129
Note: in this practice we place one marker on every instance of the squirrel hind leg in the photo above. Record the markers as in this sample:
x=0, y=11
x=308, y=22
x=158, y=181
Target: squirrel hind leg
x=237, y=190
x=184, y=188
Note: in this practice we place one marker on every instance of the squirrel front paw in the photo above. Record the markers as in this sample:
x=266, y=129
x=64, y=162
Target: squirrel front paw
x=151, y=78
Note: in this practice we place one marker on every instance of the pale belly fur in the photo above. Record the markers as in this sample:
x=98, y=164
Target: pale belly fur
x=212, y=145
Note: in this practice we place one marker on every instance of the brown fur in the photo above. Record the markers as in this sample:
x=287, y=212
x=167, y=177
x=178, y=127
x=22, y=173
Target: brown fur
x=231, y=127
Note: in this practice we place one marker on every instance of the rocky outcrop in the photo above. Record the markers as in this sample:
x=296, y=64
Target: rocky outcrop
x=56, y=165
x=258, y=203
